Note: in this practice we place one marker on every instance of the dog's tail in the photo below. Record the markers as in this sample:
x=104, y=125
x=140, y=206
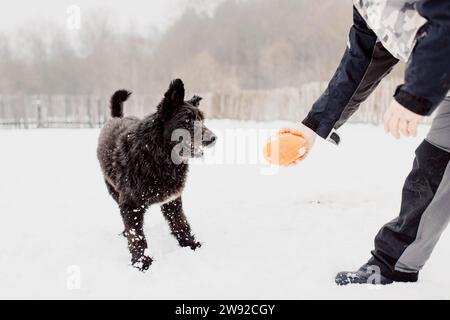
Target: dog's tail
x=117, y=100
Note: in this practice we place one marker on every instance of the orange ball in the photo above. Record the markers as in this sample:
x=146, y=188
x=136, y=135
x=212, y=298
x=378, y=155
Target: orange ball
x=288, y=148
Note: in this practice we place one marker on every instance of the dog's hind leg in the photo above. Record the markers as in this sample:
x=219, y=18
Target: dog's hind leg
x=112, y=191
x=173, y=212
x=133, y=218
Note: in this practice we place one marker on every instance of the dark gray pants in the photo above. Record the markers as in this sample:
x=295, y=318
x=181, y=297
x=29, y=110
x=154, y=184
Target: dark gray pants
x=439, y=134
x=403, y=246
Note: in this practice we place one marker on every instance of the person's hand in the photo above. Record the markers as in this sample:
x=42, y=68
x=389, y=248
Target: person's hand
x=400, y=121
x=309, y=135
x=290, y=146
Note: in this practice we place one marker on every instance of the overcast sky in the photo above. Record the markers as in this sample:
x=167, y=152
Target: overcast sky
x=144, y=13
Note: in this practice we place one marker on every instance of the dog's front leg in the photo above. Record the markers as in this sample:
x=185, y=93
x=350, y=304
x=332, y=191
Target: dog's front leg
x=173, y=212
x=133, y=218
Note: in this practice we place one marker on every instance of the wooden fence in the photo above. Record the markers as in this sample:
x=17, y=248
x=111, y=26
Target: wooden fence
x=83, y=111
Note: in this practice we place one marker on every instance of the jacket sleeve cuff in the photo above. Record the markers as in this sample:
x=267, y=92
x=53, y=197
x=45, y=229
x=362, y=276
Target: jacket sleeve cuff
x=314, y=125
x=311, y=123
x=415, y=104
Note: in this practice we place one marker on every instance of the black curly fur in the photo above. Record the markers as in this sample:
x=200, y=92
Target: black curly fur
x=136, y=159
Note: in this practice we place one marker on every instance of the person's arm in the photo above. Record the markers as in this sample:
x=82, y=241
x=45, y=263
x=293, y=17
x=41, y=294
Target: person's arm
x=427, y=78
x=364, y=64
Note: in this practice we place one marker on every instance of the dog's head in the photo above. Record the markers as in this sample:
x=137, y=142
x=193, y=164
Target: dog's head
x=183, y=123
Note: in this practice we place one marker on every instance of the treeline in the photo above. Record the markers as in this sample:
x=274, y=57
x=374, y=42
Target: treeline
x=244, y=45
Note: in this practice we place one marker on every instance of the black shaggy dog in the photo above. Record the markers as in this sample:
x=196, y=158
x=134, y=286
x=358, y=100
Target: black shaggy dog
x=144, y=163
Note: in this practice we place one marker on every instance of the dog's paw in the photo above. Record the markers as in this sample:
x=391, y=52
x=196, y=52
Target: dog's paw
x=143, y=263
x=194, y=245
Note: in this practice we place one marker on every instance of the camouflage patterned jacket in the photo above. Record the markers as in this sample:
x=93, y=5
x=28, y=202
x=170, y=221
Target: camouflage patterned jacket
x=384, y=32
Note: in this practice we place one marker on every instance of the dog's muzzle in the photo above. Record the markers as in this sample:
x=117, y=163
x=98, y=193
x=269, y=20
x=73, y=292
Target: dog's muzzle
x=209, y=140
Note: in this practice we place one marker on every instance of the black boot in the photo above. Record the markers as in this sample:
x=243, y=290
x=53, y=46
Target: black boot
x=367, y=274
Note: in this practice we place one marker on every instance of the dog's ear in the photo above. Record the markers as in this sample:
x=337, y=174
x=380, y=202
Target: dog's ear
x=195, y=101
x=173, y=98
x=175, y=94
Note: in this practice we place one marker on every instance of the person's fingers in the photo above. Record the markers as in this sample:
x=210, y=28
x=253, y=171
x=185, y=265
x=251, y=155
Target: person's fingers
x=393, y=127
x=403, y=126
x=302, y=152
x=387, y=119
x=412, y=128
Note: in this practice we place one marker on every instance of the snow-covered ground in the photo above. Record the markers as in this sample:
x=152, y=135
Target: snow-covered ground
x=266, y=236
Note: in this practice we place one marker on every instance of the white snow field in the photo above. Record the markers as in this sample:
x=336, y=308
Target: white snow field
x=282, y=235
